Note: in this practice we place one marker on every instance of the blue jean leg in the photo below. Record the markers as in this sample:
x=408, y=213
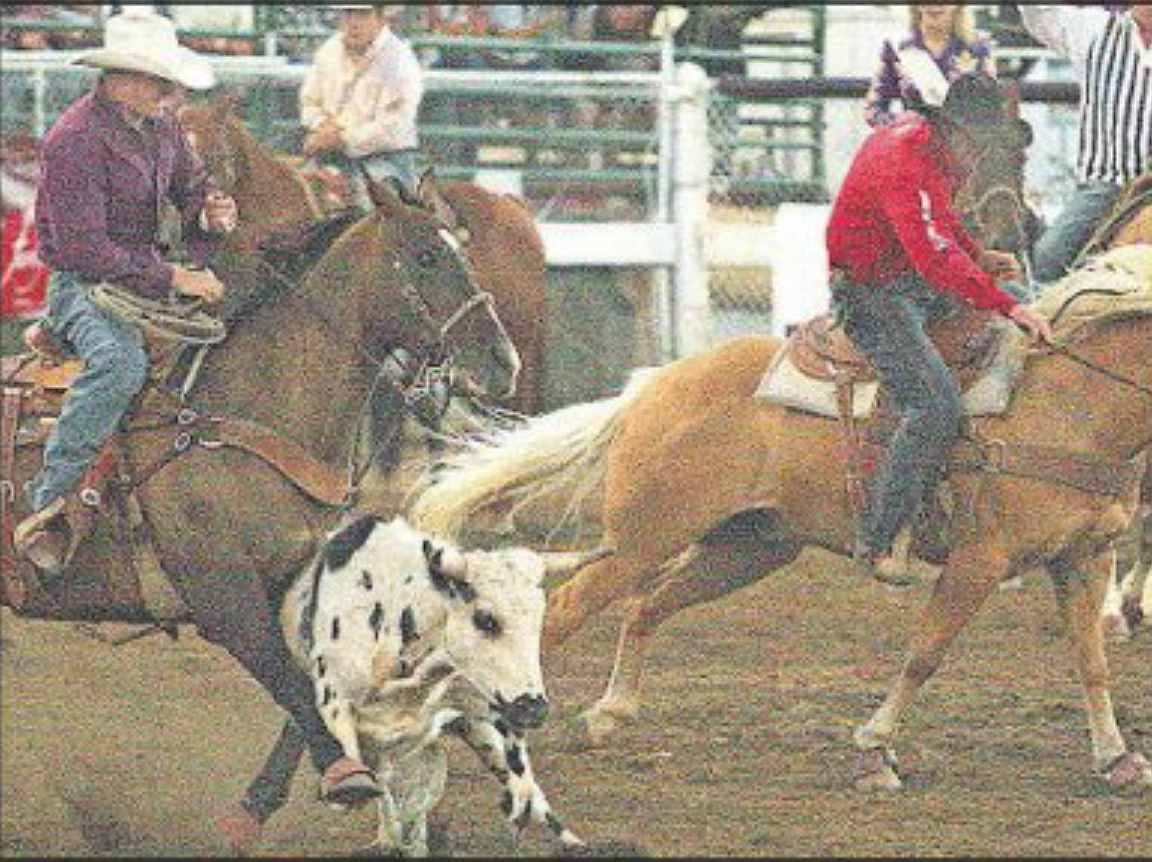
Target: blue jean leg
x=115, y=370
x=1084, y=212
x=889, y=329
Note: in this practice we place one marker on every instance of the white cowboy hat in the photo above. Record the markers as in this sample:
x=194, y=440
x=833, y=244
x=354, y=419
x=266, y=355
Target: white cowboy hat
x=139, y=40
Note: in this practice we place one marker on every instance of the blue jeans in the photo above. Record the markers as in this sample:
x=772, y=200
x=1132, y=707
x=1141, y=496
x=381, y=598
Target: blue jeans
x=1087, y=208
x=400, y=165
x=115, y=370
x=887, y=324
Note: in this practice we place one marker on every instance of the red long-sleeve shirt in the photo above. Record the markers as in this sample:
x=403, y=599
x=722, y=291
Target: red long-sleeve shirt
x=895, y=215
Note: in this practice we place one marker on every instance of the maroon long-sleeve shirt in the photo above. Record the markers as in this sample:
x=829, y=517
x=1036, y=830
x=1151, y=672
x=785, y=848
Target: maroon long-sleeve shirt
x=100, y=183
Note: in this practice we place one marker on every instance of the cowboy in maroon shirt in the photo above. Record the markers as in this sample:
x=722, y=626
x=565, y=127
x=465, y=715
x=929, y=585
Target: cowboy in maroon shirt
x=105, y=166
x=901, y=260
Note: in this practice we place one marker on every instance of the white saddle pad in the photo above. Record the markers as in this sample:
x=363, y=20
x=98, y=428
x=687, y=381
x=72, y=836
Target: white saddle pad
x=991, y=395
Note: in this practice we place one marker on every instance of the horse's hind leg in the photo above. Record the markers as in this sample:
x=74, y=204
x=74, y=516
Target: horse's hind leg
x=738, y=553
x=1080, y=597
x=965, y=583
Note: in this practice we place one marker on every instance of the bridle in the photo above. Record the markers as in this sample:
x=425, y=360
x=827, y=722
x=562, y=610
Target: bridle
x=1088, y=363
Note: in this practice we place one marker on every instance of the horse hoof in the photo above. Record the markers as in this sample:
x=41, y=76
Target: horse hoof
x=1130, y=771
x=240, y=830
x=876, y=770
x=348, y=783
x=1133, y=613
x=1116, y=628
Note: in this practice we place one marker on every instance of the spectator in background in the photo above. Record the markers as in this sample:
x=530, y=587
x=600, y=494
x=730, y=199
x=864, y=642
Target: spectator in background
x=527, y=22
x=718, y=28
x=223, y=18
x=360, y=99
x=85, y=17
x=916, y=69
x=614, y=22
x=1112, y=56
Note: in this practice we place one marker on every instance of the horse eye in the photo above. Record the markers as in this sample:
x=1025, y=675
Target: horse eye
x=486, y=623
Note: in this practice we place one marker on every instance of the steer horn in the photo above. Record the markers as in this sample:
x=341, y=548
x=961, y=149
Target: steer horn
x=559, y=564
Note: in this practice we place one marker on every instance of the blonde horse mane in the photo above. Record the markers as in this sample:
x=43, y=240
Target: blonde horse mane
x=557, y=455
x=1117, y=282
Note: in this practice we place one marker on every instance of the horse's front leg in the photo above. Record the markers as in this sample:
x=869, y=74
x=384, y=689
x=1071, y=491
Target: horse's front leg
x=967, y=579
x=1080, y=596
x=505, y=753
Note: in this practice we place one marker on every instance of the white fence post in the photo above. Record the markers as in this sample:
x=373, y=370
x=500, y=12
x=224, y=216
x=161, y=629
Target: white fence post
x=691, y=171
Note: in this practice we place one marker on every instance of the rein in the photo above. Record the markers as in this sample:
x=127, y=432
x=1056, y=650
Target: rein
x=1100, y=369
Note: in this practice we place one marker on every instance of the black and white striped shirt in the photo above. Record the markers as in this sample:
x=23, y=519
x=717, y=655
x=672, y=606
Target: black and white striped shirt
x=1115, y=71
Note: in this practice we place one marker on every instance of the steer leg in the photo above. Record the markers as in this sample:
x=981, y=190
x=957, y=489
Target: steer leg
x=1080, y=597
x=966, y=581
x=505, y=753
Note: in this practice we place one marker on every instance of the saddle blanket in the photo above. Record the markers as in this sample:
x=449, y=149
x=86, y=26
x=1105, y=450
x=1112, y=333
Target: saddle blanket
x=989, y=395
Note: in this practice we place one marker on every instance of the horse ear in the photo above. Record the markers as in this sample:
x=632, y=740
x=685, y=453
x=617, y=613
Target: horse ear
x=226, y=102
x=386, y=195
x=1011, y=98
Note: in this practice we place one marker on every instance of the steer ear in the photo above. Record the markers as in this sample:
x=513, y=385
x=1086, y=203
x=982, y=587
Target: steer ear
x=564, y=563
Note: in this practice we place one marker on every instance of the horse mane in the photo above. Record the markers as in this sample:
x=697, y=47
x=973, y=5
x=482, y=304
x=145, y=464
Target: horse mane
x=1115, y=283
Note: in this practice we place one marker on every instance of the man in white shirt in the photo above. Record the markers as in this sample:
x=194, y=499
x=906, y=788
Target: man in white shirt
x=1112, y=56
x=359, y=101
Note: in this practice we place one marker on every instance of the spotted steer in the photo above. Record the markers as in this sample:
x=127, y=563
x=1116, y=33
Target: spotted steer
x=408, y=639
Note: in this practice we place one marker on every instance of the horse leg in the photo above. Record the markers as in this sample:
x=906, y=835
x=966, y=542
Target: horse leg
x=735, y=555
x=242, y=826
x=1080, y=596
x=966, y=581
x=234, y=612
x=587, y=593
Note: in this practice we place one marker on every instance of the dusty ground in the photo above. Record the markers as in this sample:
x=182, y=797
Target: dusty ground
x=744, y=748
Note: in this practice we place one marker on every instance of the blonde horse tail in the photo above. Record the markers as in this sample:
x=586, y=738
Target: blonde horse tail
x=554, y=462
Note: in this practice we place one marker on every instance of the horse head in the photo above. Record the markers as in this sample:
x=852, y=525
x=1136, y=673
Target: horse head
x=992, y=203
x=212, y=126
x=443, y=315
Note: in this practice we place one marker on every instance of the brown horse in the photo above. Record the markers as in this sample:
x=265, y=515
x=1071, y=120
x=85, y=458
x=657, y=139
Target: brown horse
x=275, y=196
x=232, y=522
x=706, y=488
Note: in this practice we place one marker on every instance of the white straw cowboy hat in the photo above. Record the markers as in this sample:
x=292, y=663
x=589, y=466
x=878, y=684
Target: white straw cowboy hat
x=139, y=40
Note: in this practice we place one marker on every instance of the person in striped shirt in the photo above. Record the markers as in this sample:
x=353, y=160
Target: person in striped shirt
x=1111, y=52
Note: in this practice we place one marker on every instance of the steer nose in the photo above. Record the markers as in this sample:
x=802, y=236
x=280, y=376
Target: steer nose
x=528, y=711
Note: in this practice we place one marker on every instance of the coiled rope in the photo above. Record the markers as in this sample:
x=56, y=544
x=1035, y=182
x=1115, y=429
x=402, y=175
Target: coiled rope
x=178, y=320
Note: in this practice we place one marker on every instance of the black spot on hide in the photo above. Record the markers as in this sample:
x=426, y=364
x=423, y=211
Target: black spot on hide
x=515, y=759
x=321, y=666
x=501, y=726
x=506, y=802
x=328, y=695
x=335, y=628
x=366, y=581
x=408, y=631
x=376, y=620
x=457, y=726
x=340, y=548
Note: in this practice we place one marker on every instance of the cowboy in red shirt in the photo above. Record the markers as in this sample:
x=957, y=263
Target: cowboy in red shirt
x=901, y=261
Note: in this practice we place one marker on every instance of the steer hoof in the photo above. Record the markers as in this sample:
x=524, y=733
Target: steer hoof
x=240, y=830
x=1130, y=771
x=876, y=770
x=1133, y=611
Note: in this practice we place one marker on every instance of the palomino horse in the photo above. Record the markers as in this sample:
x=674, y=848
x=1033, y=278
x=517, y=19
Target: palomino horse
x=1129, y=600
x=706, y=488
x=498, y=232
x=295, y=372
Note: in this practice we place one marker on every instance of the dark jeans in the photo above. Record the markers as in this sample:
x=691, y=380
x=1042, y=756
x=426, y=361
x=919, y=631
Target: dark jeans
x=887, y=324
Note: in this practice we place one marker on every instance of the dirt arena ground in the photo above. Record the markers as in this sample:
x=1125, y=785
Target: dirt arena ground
x=744, y=747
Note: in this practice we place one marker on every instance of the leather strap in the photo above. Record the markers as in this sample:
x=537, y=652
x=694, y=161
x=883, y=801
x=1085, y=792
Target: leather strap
x=853, y=457
x=11, y=584
x=1103, y=477
x=311, y=475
